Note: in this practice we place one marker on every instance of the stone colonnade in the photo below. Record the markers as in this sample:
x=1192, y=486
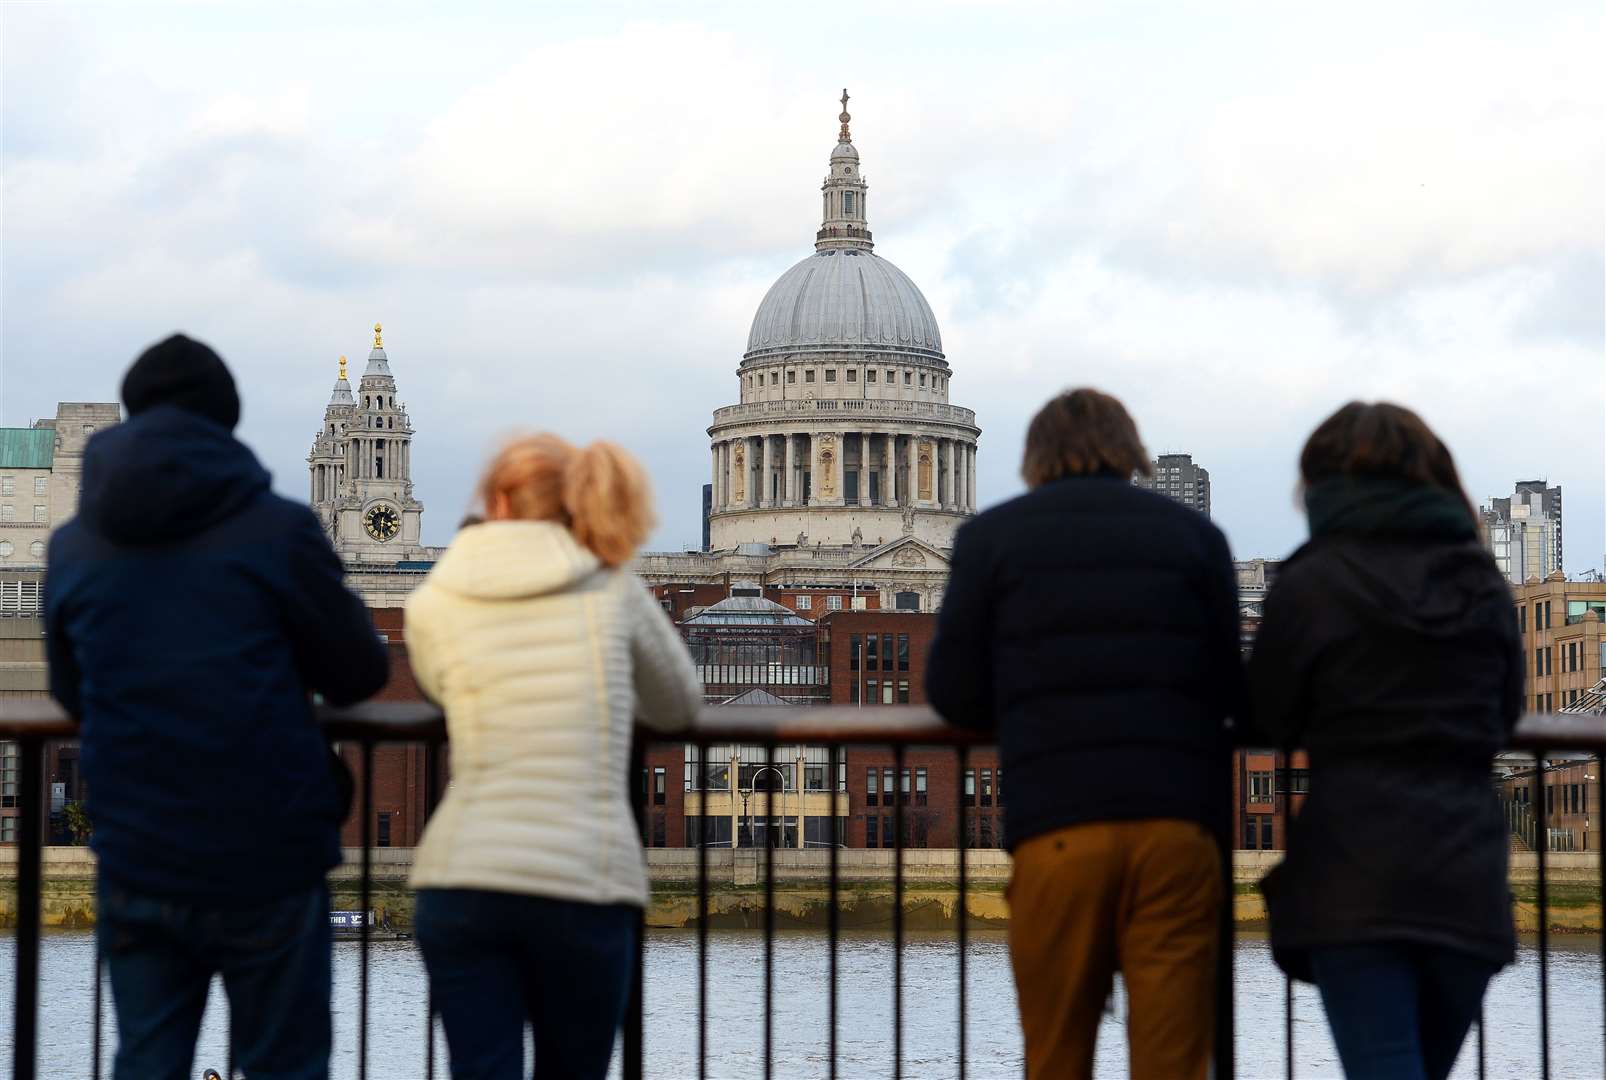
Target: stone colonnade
x=814, y=468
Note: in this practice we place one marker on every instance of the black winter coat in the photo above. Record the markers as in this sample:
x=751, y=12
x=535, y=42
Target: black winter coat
x=1095, y=626
x=1395, y=662
x=190, y=613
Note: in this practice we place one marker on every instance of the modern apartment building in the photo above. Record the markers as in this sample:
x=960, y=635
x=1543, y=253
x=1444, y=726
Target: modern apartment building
x=1524, y=531
x=1176, y=476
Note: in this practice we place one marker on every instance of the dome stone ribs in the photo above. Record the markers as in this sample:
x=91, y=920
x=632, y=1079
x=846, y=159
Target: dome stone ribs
x=834, y=301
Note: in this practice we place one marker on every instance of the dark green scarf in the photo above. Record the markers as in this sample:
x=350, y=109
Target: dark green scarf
x=1384, y=506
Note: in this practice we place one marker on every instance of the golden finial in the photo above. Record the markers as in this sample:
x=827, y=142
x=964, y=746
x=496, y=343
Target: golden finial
x=844, y=137
x=378, y=343
x=342, y=369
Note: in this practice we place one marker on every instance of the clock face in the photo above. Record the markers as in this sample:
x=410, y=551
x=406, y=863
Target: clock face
x=382, y=523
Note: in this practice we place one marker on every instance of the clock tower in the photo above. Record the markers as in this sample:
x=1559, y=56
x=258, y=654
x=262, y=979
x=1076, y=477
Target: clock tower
x=361, y=468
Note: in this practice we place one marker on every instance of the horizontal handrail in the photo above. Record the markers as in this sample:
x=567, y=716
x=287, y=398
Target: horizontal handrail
x=892, y=725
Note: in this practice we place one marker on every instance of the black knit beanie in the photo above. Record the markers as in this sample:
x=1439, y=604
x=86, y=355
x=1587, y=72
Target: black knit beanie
x=183, y=372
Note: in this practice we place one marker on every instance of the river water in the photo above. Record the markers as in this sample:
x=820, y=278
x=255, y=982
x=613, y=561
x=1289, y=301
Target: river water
x=736, y=994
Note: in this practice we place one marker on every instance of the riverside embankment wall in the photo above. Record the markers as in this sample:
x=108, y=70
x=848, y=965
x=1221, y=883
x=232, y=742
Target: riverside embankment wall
x=802, y=888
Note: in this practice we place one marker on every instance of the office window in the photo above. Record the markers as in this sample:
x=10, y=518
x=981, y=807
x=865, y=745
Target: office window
x=10, y=762
x=920, y=786
x=853, y=692
x=903, y=652
x=870, y=832
x=659, y=829
x=1547, y=614
x=888, y=837
x=808, y=375
x=1550, y=702
x=8, y=485
x=1549, y=656
x=886, y=692
x=1539, y=661
x=970, y=787
x=922, y=835
x=1522, y=619
x=1251, y=833
x=41, y=514
x=870, y=788
x=853, y=374
x=382, y=834
x=41, y=485
x=1260, y=787
x=833, y=602
x=998, y=786
x=871, y=695
x=830, y=374
x=869, y=376
x=987, y=787
x=986, y=823
x=854, y=644
x=886, y=787
x=1572, y=656
x=872, y=650
x=892, y=376
x=813, y=777
x=8, y=830
x=658, y=790
x=8, y=512
x=1265, y=832
x=805, y=603
x=904, y=788
x=903, y=691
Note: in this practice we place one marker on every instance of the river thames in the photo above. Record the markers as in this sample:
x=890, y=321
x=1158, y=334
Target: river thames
x=736, y=991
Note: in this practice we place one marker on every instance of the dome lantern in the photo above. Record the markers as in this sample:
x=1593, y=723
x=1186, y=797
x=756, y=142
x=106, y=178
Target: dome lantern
x=844, y=220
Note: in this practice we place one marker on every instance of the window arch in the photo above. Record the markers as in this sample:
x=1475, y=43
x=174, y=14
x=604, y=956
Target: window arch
x=37, y=549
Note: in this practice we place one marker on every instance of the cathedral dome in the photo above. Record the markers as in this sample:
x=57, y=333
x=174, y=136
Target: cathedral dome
x=844, y=299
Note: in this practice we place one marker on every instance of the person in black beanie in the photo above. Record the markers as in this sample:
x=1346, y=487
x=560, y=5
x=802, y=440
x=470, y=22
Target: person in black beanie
x=191, y=614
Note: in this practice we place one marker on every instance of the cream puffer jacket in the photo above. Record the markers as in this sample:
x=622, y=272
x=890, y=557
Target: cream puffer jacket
x=542, y=659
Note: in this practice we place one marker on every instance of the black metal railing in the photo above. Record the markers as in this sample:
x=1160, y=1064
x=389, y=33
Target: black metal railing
x=33, y=724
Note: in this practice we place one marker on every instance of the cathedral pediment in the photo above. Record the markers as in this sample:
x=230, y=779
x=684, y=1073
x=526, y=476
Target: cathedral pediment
x=904, y=553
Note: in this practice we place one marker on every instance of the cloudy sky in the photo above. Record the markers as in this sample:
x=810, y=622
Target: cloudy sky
x=1235, y=219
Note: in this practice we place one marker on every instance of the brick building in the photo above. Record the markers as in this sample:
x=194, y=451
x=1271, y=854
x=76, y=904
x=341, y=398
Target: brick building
x=1563, y=626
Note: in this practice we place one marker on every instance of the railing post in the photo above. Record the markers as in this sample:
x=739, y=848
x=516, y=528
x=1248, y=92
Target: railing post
x=1542, y=838
x=30, y=850
x=634, y=1049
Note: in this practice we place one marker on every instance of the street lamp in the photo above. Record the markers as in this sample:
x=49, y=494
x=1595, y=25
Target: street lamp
x=748, y=794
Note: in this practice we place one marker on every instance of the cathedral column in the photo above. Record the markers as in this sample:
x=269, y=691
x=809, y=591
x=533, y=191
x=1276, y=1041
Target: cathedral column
x=952, y=501
x=841, y=467
x=713, y=478
x=764, y=471
x=788, y=477
x=864, y=468
x=970, y=476
x=808, y=469
x=889, y=470
x=911, y=471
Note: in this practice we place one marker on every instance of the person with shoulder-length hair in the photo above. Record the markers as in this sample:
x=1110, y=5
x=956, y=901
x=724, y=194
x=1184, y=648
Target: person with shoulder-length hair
x=541, y=648
x=1389, y=652
x=1093, y=626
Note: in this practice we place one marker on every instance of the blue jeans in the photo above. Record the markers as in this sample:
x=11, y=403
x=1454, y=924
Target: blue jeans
x=274, y=959
x=1399, y=1012
x=500, y=960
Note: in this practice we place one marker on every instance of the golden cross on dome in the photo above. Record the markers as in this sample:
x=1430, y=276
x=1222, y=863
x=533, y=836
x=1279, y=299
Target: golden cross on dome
x=844, y=117
x=378, y=344
x=342, y=369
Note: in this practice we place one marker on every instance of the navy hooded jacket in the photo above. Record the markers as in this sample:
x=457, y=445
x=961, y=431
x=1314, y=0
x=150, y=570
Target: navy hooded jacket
x=190, y=613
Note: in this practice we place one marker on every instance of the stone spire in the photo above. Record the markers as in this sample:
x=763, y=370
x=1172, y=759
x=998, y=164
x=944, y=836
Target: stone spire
x=342, y=392
x=378, y=362
x=844, y=224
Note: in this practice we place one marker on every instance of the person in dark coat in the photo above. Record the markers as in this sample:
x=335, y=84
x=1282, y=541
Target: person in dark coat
x=190, y=615
x=1094, y=626
x=1389, y=652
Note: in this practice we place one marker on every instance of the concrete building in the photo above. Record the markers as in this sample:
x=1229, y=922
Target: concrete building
x=1563, y=626
x=1177, y=477
x=1524, y=532
x=843, y=463
x=40, y=471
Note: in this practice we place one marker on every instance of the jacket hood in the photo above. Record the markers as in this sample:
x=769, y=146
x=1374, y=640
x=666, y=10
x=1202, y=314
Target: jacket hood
x=1435, y=589
x=165, y=474
x=504, y=560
